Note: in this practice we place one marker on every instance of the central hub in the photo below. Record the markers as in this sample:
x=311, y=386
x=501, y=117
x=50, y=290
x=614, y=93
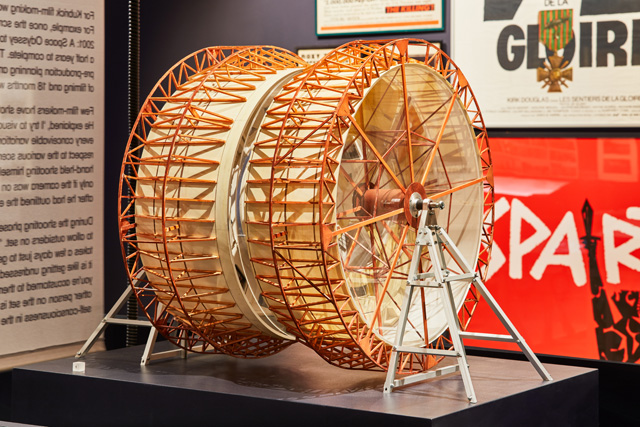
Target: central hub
x=375, y=202
x=378, y=202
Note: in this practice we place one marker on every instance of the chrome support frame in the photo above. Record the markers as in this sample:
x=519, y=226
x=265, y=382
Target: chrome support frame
x=436, y=239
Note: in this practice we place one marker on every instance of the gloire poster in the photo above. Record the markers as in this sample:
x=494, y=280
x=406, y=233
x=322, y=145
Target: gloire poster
x=551, y=63
x=565, y=264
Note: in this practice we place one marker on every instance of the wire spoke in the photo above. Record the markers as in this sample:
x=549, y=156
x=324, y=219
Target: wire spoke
x=392, y=267
x=367, y=222
x=406, y=118
x=376, y=152
x=353, y=247
x=456, y=188
x=395, y=238
x=438, y=139
x=419, y=125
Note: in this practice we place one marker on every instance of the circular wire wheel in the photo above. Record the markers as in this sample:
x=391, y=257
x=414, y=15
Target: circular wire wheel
x=329, y=232
x=180, y=222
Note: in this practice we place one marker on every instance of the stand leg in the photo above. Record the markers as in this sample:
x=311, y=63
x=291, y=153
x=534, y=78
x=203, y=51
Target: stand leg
x=533, y=359
x=433, y=236
x=393, y=362
x=406, y=303
x=458, y=346
x=103, y=323
x=148, y=348
x=110, y=318
x=455, y=253
x=435, y=253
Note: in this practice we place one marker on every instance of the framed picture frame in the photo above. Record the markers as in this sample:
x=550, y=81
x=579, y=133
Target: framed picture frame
x=551, y=64
x=342, y=17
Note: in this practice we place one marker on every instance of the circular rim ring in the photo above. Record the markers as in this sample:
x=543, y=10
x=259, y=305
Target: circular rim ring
x=362, y=349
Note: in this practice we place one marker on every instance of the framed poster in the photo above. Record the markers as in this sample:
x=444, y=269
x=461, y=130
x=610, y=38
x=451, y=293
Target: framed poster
x=551, y=63
x=565, y=265
x=340, y=17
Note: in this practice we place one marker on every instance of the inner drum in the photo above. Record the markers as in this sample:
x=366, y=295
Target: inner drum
x=269, y=199
x=187, y=169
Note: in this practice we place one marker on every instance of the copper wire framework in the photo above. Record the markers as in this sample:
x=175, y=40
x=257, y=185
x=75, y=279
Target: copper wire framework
x=181, y=138
x=270, y=201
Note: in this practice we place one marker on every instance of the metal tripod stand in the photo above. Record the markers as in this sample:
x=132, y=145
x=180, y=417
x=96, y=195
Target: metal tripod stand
x=436, y=239
x=111, y=318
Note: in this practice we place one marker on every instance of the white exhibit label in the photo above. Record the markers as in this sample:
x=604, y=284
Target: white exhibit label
x=377, y=16
x=51, y=171
x=313, y=55
x=543, y=63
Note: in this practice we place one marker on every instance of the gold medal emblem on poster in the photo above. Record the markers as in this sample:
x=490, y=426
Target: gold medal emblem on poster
x=555, y=32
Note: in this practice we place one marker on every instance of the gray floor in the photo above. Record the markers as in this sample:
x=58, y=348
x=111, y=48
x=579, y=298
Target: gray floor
x=297, y=374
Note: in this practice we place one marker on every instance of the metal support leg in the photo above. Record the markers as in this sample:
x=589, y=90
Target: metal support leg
x=404, y=312
x=393, y=362
x=148, y=348
x=110, y=318
x=425, y=238
x=436, y=255
x=497, y=310
x=436, y=239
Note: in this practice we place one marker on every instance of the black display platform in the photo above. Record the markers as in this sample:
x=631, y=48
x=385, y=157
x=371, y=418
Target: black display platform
x=294, y=387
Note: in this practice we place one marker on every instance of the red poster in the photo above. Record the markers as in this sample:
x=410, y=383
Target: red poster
x=565, y=264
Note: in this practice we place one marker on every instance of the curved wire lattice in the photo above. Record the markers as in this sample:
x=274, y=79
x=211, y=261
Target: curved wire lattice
x=304, y=277
x=173, y=265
